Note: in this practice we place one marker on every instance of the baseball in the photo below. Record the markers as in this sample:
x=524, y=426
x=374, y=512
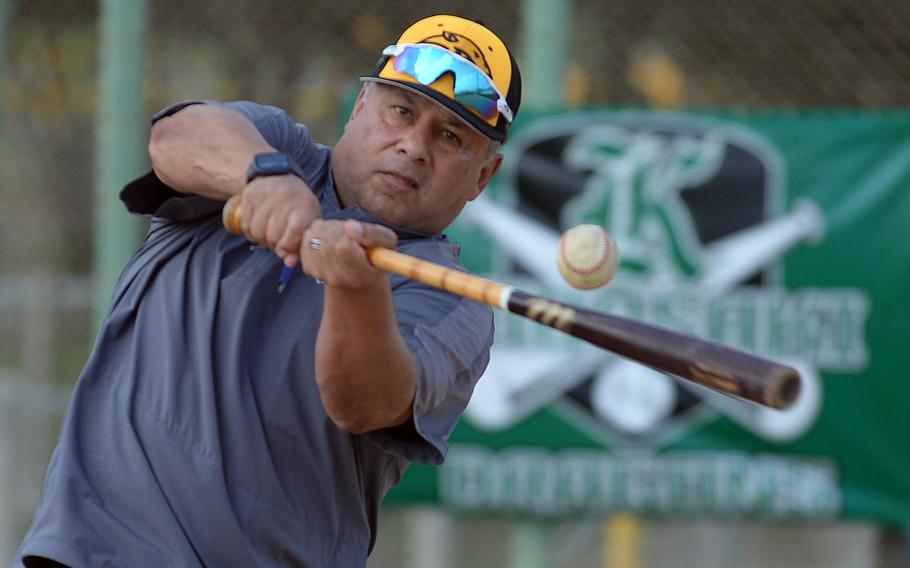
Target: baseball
x=587, y=257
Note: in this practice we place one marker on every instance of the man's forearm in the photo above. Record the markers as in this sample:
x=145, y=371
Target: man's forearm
x=205, y=150
x=365, y=372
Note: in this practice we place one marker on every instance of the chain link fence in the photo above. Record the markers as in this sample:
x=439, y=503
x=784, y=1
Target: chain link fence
x=306, y=57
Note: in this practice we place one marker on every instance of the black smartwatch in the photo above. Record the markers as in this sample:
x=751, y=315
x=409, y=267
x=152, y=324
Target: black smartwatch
x=273, y=164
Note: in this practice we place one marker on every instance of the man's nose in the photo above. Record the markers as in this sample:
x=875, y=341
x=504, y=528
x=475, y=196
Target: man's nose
x=415, y=142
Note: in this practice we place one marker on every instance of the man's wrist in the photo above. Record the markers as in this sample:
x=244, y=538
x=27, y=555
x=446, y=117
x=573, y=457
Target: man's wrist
x=273, y=164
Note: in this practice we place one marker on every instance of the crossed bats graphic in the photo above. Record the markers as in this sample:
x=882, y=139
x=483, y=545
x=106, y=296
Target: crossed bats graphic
x=525, y=382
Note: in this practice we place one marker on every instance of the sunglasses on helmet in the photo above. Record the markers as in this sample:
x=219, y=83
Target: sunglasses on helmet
x=474, y=89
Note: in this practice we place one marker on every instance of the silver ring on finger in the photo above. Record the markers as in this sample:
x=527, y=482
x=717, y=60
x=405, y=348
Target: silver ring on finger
x=315, y=243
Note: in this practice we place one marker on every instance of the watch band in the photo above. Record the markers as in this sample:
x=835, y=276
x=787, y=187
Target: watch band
x=273, y=164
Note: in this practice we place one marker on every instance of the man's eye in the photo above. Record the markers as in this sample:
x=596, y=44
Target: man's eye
x=403, y=111
x=451, y=136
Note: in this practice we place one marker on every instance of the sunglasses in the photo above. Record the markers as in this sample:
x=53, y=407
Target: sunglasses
x=473, y=88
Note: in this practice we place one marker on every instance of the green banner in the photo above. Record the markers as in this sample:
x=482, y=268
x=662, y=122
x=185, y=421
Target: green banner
x=782, y=233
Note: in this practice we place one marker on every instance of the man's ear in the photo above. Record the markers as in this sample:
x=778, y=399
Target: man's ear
x=486, y=174
x=358, y=104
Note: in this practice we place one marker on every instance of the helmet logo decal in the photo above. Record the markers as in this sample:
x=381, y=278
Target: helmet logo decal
x=463, y=46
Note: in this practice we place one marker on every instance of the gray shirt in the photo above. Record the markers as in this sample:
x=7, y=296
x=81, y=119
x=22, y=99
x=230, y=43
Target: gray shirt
x=196, y=435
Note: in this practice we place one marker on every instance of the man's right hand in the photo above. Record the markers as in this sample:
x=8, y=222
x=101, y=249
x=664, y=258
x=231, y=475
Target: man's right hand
x=276, y=212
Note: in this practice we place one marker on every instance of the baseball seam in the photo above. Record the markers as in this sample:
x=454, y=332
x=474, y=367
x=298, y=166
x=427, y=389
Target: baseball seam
x=590, y=270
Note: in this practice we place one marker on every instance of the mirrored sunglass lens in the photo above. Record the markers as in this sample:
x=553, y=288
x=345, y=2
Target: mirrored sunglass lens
x=424, y=65
x=480, y=103
x=472, y=89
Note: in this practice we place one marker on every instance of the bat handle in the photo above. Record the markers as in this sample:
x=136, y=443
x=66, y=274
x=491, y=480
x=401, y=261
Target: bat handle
x=230, y=215
x=440, y=277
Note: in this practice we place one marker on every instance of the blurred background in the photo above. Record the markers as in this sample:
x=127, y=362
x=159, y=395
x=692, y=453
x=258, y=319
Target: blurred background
x=79, y=80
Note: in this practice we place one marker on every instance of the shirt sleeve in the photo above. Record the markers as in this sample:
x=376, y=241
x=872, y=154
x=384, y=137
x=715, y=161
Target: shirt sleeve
x=148, y=195
x=449, y=338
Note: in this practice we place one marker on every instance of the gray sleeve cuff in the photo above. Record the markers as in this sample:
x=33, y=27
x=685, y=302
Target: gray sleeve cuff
x=451, y=355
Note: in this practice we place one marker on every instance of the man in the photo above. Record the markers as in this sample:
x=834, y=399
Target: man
x=221, y=421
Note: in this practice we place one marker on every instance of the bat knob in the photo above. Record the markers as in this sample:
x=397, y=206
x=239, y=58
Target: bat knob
x=786, y=388
x=230, y=215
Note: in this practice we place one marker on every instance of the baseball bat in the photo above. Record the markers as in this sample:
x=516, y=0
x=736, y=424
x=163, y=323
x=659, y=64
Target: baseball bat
x=708, y=363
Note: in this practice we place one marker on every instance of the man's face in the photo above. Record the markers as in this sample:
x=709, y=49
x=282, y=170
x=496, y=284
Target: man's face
x=410, y=161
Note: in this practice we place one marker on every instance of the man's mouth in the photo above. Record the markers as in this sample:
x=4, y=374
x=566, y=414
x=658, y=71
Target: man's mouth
x=401, y=180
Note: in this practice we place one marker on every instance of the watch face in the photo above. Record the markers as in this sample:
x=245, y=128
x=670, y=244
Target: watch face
x=272, y=163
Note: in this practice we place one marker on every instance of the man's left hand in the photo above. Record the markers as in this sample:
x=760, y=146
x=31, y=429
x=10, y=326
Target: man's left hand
x=333, y=252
